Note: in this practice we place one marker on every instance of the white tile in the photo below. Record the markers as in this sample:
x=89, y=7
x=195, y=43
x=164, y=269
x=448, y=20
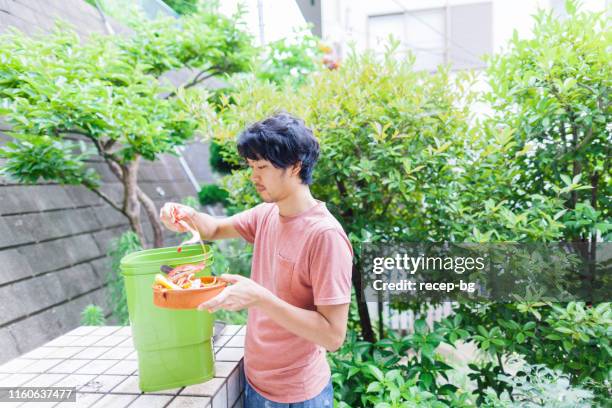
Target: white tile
x=15, y=380
x=114, y=401
x=124, y=331
x=83, y=400
x=231, y=329
x=208, y=388
x=40, y=366
x=125, y=367
x=132, y=356
x=64, y=352
x=230, y=354
x=240, y=402
x=61, y=341
x=86, y=340
x=39, y=352
x=110, y=341
x=16, y=365
x=242, y=331
x=151, y=401
x=128, y=386
x=220, y=398
x=105, y=330
x=11, y=404
x=236, y=341
x=117, y=353
x=189, y=402
x=221, y=340
x=45, y=380
x=75, y=380
x=38, y=404
x=224, y=368
x=91, y=352
x=82, y=331
x=127, y=343
x=233, y=388
x=68, y=366
x=102, y=383
x=96, y=367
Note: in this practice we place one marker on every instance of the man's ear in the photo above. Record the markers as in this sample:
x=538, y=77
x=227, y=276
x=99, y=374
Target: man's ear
x=297, y=167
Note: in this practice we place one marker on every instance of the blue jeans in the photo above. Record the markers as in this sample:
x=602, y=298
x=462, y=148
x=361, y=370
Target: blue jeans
x=325, y=399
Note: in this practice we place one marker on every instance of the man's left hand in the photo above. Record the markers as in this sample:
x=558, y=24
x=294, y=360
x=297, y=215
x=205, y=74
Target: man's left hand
x=242, y=294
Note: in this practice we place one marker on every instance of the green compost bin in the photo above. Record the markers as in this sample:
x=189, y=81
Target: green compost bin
x=174, y=347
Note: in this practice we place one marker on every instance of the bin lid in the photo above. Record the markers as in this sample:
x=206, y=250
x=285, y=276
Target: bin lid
x=141, y=262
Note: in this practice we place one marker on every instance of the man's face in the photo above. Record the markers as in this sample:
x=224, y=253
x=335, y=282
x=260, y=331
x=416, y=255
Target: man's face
x=272, y=184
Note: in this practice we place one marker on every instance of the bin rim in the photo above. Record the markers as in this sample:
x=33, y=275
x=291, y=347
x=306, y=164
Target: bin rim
x=130, y=265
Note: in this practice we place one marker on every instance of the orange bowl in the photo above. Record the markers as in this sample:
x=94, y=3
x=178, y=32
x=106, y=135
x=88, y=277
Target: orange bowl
x=187, y=298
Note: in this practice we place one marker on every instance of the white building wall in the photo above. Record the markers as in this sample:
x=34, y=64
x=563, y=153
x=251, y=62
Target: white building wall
x=280, y=17
x=345, y=22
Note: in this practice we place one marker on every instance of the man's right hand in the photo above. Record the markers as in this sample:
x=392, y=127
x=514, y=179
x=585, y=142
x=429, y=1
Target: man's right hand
x=171, y=213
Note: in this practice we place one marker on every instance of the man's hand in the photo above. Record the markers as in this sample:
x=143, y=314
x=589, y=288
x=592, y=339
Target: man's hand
x=171, y=213
x=325, y=326
x=242, y=294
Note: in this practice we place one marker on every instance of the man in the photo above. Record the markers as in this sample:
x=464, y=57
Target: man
x=299, y=292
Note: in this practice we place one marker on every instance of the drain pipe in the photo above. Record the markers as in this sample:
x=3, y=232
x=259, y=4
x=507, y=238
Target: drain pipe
x=187, y=170
x=109, y=28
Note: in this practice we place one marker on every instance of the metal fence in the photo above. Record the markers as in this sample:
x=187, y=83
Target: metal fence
x=403, y=321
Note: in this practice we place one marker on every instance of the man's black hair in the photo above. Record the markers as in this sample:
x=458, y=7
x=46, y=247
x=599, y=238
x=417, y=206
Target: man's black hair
x=283, y=140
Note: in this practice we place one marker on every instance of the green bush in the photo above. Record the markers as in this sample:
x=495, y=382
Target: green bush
x=289, y=61
x=217, y=161
x=572, y=338
x=126, y=244
x=183, y=6
x=92, y=315
x=399, y=370
x=211, y=194
x=539, y=386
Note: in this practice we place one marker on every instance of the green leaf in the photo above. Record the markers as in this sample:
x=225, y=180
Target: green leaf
x=420, y=326
x=426, y=380
x=374, y=387
x=376, y=372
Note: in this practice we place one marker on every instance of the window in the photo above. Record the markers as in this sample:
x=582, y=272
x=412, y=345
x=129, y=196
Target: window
x=458, y=34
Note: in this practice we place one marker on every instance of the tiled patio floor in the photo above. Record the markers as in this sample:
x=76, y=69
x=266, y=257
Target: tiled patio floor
x=102, y=364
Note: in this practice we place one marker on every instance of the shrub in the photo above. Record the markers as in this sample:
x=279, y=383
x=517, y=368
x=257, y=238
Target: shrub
x=539, y=386
x=92, y=315
x=211, y=194
x=127, y=243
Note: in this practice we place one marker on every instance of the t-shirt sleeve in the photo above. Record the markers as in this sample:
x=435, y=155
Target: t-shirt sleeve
x=331, y=265
x=247, y=222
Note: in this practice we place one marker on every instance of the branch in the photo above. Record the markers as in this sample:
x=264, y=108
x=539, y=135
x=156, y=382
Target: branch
x=197, y=79
x=104, y=197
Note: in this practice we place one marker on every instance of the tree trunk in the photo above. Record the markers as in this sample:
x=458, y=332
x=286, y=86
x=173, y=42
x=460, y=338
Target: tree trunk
x=144, y=199
x=364, y=315
x=593, y=243
x=131, y=205
x=151, y=210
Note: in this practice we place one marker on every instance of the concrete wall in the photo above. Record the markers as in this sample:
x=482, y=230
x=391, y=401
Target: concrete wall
x=54, y=238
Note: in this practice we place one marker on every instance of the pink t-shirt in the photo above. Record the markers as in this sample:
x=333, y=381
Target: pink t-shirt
x=305, y=260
